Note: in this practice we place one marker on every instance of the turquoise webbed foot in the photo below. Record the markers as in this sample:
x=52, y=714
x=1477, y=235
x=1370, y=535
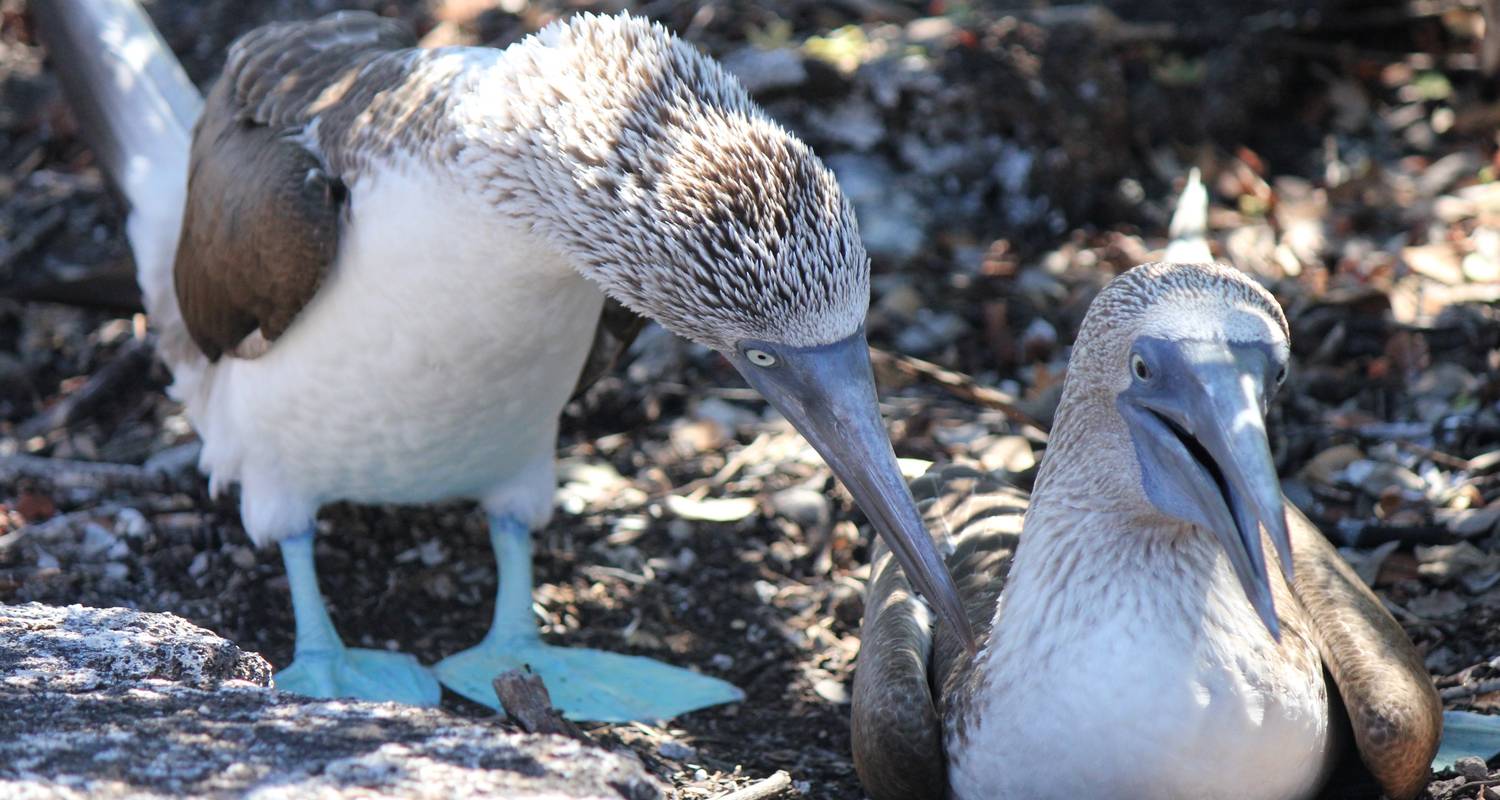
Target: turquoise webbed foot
x=587, y=684
x=323, y=667
x=365, y=674
x=584, y=684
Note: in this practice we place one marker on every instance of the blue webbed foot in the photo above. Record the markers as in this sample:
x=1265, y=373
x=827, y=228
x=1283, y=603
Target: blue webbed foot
x=365, y=674
x=587, y=684
x=323, y=666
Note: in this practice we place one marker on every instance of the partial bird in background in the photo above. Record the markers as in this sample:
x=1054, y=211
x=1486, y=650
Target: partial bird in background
x=1189, y=226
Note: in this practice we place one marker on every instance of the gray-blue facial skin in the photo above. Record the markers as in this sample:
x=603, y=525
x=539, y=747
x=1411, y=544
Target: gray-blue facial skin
x=828, y=394
x=1196, y=414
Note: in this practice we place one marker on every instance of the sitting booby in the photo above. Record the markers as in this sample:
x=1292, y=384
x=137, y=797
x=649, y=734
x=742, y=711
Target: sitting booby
x=1137, y=639
x=377, y=272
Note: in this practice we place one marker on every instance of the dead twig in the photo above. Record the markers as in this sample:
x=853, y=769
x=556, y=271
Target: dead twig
x=1435, y=456
x=958, y=384
x=762, y=790
x=26, y=240
x=1470, y=689
x=91, y=476
x=1489, y=46
x=60, y=523
x=131, y=362
x=526, y=701
x=736, y=462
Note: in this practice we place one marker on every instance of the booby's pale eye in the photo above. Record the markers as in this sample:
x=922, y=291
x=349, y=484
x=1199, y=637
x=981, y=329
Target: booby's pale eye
x=760, y=358
x=1138, y=366
x=1281, y=375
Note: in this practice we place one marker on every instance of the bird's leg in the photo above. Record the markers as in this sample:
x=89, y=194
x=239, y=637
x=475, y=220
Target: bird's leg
x=322, y=666
x=514, y=621
x=315, y=631
x=585, y=684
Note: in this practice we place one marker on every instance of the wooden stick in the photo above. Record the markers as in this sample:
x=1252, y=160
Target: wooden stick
x=1470, y=689
x=761, y=790
x=960, y=385
x=132, y=362
x=97, y=476
x=528, y=704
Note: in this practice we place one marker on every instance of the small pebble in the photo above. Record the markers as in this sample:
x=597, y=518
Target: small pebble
x=846, y=603
x=1472, y=767
x=675, y=750
x=97, y=540
x=700, y=774
x=131, y=524
x=806, y=507
x=831, y=690
x=45, y=560
x=243, y=557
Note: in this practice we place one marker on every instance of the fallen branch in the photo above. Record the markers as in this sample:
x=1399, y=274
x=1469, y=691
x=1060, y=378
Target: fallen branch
x=27, y=239
x=1470, y=689
x=761, y=790
x=957, y=383
x=132, y=362
x=94, y=476
x=60, y=523
x=528, y=704
x=1435, y=456
x=1489, y=46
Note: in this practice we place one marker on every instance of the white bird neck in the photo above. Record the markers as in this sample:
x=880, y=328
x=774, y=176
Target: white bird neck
x=1079, y=571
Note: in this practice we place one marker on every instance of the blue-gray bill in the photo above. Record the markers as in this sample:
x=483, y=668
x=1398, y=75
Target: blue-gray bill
x=828, y=394
x=1198, y=426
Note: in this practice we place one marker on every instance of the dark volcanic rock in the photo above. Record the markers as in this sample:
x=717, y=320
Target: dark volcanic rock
x=114, y=702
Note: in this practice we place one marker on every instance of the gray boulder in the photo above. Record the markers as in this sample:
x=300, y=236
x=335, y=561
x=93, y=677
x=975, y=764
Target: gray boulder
x=120, y=703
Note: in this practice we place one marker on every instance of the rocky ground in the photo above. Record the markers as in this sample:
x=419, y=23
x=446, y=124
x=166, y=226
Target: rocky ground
x=1004, y=166
x=115, y=702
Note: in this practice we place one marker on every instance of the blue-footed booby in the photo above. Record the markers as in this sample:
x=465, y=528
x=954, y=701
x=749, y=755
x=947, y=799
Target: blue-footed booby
x=378, y=271
x=1154, y=621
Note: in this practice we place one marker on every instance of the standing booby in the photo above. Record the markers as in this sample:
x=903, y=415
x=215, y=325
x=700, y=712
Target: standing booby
x=1136, y=637
x=378, y=270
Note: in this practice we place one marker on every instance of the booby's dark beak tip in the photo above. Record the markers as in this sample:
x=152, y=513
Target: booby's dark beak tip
x=1198, y=427
x=827, y=392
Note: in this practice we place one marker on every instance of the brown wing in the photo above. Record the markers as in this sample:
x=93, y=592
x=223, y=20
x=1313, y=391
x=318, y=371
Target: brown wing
x=261, y=225
x=1395, y=713
x=618, y=327
x=904, y=653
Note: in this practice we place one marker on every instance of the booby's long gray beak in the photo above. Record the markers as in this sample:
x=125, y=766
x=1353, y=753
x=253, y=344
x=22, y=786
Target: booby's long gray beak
x=828, y=394
x=1198, y=425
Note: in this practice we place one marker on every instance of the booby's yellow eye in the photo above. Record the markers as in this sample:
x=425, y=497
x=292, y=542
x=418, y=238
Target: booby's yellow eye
x=1138, y=366
x=760, y=358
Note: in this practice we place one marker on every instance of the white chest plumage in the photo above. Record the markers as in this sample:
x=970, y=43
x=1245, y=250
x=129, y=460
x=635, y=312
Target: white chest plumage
x=431, y=364
x=1136, y=694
